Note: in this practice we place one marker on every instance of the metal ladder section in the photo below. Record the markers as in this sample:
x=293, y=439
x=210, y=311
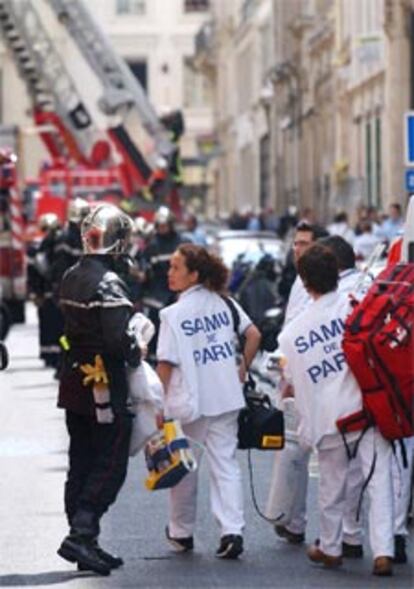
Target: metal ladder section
x=48, y=83
x=122, y=91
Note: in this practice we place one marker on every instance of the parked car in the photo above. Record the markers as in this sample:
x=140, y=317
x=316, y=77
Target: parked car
x=248, y=246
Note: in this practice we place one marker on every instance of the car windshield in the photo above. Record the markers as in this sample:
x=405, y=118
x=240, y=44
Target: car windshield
x=249, y=249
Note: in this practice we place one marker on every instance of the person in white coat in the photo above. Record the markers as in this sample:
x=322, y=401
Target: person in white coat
x=325, y=391
x=203, y=384
x=294, y=460
x=289, y=484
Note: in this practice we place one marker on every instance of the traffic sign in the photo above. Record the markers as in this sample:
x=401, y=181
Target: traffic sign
x=409, y=138
x=409, y=181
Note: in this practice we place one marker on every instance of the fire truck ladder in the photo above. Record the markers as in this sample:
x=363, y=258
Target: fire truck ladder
x=53, y=94
x=141, y=136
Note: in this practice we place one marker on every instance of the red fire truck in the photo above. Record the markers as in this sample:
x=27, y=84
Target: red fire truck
x=108, y=146
x=12, y=246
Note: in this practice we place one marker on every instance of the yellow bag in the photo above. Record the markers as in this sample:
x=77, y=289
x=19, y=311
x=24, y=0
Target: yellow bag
x=168, y=456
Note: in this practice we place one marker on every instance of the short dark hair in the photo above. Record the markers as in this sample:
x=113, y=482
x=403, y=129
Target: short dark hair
x=340, y=217
x=318, y=269
x=317, y=231
x=343, y=251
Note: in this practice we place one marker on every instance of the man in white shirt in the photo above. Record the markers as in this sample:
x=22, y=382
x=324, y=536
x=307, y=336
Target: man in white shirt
x=291, y=465
x=366, y=242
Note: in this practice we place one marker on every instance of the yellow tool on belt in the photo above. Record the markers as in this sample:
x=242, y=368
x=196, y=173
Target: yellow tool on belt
x=95, y=375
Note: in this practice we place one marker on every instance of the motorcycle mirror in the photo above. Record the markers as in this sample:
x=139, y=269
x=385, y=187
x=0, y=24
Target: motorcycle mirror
x=273, y=313
x=4, y=356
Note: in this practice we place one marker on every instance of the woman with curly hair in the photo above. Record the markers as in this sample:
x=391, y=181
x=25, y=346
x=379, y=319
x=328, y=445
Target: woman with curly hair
x=204, y=390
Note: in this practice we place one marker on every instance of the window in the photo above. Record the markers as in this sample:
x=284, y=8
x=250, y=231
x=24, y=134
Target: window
x=196, y=5
x=368, y=161
x=267, y=54
x=139, y=69
x=197, y=90
x=265, y=171
x=137, y=7
x=246, y=177
x=373, y=163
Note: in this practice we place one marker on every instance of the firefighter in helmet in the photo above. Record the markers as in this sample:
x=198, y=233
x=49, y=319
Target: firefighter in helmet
x=69, y=246
x=93, y=385
x=156, y=257
x=40, y=261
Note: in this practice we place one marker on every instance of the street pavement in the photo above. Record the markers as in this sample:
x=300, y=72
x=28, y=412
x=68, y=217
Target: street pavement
x=33, y=460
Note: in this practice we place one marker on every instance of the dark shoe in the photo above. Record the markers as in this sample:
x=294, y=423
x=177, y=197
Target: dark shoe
x=382, y=566
x=315, y=554
x=348, y=550
x=352, y=550
x=400, y=553
x=291, y=537
x=83, y=551
x=114, y=562
x=231, y=546
x=180, y=544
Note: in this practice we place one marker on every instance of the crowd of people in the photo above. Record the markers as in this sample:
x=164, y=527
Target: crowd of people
x=320, y=297
x=87, y=280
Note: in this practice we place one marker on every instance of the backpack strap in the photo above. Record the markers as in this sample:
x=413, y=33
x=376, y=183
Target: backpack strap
x=366, y=483
x=236, y=318
x=403, y=449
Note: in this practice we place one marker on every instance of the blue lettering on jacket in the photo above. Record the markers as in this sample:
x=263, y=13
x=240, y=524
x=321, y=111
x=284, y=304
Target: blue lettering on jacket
x=213, y=353
x=326, y=367
x=205, y=324
x=319, y=336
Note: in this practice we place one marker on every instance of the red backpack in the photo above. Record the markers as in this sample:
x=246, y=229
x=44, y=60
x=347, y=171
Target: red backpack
x=379, y=346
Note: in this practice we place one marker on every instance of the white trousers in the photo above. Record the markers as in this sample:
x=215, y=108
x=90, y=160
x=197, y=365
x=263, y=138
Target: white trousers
x=333, y=468
x=219, y=437
x=288, y=487
x=288, y=492
x=401, y=478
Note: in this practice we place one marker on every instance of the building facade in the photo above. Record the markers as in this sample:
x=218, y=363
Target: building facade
x=237, y=55
x=310, y=97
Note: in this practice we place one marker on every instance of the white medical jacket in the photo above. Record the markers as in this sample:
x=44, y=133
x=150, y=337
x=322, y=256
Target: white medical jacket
x=197, y=338
x=325, y=388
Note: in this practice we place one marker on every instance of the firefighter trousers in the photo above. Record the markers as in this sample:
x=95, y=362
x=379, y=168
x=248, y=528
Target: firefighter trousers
x=98, y=461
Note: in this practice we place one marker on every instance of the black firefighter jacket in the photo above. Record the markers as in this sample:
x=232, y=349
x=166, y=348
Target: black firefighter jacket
x=96, y=308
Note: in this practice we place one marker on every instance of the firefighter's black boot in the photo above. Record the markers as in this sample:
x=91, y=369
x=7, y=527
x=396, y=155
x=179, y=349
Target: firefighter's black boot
x=81, y=545
x=83, y=551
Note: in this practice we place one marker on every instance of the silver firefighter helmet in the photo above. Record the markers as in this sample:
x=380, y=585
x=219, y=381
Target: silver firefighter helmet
x=106, y=230
x=48, y=222
x=164, y=216
x=77, y=210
